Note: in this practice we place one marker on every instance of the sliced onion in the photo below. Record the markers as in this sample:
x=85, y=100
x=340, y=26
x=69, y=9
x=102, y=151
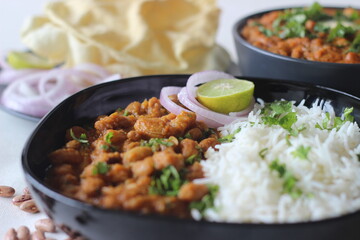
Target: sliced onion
x=113, y=77
x=167, y=103
x=9, y=75
x=176, y=109
x=36, y=92
x=222, y=119
x=203, y=77
x=93, y=69
x=23, y=96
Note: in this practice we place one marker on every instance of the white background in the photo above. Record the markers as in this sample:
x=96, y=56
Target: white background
x=14, y=131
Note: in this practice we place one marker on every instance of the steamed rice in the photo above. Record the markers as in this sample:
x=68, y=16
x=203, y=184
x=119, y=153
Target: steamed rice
x=249, y=191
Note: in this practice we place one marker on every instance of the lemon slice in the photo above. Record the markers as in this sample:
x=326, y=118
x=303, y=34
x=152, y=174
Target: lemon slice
x=226, y=95
x=21, y=60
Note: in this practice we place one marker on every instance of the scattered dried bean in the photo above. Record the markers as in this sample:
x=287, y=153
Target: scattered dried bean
x=6, y=191
x=38, y=235
x=26, y=191
x=18, y=200
x=29, y=206
x=10, y=234
x=23, y=233
x=45, y=225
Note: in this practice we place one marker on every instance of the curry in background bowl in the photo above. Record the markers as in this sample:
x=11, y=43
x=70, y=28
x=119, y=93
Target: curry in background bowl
x=313, y=44
x=314, y=33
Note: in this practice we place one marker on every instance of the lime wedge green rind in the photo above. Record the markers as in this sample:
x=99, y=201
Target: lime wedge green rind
x=226, y=95
x=25, y=60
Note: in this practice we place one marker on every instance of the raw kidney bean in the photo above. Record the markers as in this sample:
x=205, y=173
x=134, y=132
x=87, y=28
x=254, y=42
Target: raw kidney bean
x=23, y=233
x=18, y=200
x=6, y=191
x=29, y=206
x=45, y=225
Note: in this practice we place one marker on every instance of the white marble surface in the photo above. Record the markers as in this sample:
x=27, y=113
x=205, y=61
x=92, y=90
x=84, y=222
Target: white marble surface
x=14, y=131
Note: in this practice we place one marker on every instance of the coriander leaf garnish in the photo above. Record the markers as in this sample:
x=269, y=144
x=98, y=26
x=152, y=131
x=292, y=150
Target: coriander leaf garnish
x=82, y=139
x=263, y=29
x=166, y=182
x=108, y=137
x=154, y=143
x=209, y=132
x=263, y=152
x=301, y=152
x=207, y=201
x=289, y=180
x=126, y=113
x=100, y=168
x=337, y=122
x=295, y=131
x=288, y=120
x=192, y=159
x=340, y=31
x=230, y=137
x=279, y=113
x=278, y=167
x=109, y=145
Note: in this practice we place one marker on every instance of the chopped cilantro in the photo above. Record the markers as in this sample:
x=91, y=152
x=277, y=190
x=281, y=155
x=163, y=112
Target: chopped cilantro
x=320, y=27
x=263, y=152
x=301, y=152
x=207, y=201
x=126, y=113
x=278, y=167
x=340, y=31
x=166, y=182
x=337, y=122
x=355, y=45
x=100, y=168
x=188, y=135
x=263, y=29
x=289, y=180
x=108, y=137
x=82, y=139
x=316, y=12
x=230, y=137
x=279, y=113
x=295, y=131
x=192, y=159
x=287, y=139
x=155, y=143
x=109, y=145
x=119, y=109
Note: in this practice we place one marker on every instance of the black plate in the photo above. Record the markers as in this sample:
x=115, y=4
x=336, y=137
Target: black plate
x=95, y=223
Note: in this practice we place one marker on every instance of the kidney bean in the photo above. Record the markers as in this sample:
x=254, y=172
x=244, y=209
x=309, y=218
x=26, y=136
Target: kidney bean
x=26, y=191
x=45, y=225
x=10, y=234
x=6, y=191
x=18, y=200
x=29, y=206
x=23, y=233
x=38, y=235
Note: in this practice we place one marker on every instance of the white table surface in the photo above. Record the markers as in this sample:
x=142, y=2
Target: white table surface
x=14, y=131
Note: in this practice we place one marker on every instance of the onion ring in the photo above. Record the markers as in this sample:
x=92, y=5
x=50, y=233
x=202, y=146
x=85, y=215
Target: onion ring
x=176, y=109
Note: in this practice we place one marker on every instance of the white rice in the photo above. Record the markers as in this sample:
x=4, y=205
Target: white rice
x=249, y=191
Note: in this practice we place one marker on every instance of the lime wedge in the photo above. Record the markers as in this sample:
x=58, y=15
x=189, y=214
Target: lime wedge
x=226, y=95
x=21, y=60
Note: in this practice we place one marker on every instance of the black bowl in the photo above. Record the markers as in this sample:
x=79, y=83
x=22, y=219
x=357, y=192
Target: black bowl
x=256, y=62
x=76, y=217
